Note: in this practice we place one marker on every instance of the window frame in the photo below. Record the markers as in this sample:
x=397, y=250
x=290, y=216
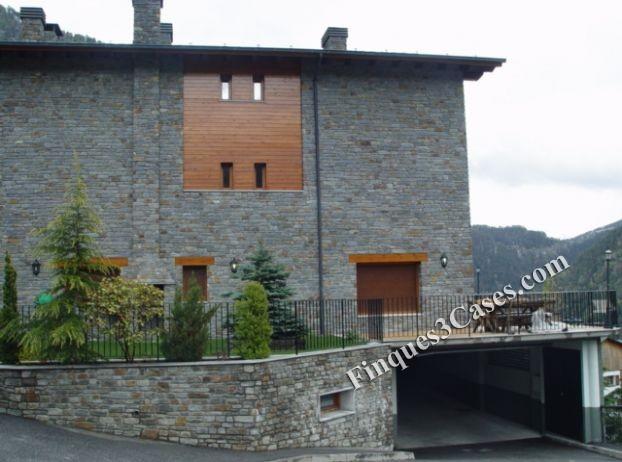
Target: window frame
x=259, y=79
x=226, y=81
x=226, y=177
x=261, y=173
x=342, y=404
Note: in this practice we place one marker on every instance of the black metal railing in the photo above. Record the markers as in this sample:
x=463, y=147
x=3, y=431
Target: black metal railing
x=312, y=325
x=531, y=312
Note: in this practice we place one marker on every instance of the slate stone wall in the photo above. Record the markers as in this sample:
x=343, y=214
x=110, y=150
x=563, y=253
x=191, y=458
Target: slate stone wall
x=244, y=405
x=393, y=172
x=52, y=107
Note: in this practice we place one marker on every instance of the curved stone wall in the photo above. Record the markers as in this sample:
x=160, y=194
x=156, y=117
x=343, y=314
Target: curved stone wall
x=243, y=405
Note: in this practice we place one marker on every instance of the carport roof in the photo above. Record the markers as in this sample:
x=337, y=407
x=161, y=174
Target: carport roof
x=510, y=341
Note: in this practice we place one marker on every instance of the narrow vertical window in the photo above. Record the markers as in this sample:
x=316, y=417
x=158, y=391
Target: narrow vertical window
x=258, y=87
x=227, y=174
x=225, y=86
x=260, y=175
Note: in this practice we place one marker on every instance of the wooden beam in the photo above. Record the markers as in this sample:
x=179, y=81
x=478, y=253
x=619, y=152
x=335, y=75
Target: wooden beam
x=119, y=262
x=388, y=257
x=194, y=261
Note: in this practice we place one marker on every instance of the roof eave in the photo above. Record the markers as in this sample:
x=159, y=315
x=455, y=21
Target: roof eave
x=472, y=67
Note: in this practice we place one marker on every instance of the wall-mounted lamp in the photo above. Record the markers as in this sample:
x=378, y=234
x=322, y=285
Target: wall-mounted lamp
x=234, y=264
x=36, y=267
x=444, y=260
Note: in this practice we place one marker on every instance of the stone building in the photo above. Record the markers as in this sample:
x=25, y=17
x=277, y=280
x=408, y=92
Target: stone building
x=350, y=166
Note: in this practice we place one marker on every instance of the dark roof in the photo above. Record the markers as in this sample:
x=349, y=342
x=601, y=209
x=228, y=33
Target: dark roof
x=472, y=67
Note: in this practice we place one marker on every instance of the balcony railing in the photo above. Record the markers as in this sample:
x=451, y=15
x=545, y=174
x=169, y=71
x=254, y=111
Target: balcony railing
x=310, y=325
x=526, y=313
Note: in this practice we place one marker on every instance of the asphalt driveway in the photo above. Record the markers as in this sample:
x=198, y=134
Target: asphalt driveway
x=531, y=450
x=23, y=440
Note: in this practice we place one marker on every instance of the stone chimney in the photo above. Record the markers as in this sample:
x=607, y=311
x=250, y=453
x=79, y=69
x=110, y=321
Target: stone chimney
x=33, y=24
x=147, y=22
x=335, y=38
x=53, y=32
x=166, y=33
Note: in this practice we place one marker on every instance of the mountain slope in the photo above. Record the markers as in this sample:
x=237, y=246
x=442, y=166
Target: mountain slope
x=505, y=254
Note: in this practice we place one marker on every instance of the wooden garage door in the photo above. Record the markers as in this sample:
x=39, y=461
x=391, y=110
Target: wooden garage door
x=397, y=285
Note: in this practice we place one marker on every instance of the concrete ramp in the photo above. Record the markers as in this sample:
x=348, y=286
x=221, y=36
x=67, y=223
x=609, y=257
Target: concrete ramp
x=433, y=420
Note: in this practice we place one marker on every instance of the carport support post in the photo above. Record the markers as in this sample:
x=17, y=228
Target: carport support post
x=591, y=390
x=394, y=400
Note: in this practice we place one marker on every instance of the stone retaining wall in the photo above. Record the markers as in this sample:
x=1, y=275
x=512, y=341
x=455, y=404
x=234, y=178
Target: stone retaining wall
x=243, y=405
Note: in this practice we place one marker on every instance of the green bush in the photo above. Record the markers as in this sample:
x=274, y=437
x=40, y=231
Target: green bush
x=252, y=329
x=126, y=310
x=11, y=329
x=188, y=333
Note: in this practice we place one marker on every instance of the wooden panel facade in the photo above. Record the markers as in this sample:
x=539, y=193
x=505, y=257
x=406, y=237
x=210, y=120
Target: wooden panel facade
x=612, y=355
x=242, y=131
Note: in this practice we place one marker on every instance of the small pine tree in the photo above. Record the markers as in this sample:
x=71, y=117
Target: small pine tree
x=58, y=330
x=11, y=330
x=252, y=329
x=273, y=277
x=9, y=289
x=188, y=334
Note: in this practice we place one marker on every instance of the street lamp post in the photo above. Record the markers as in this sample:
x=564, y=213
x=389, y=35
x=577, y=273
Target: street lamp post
x=608, y=258
x=477, y=276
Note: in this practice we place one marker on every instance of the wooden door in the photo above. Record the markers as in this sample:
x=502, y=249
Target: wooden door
x=200, y=274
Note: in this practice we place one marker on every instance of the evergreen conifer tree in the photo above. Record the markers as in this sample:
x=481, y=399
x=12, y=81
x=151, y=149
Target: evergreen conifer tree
x=252, y=329
x=10, y=323
x=188, y=334
x=273, y=277
x=58, y=330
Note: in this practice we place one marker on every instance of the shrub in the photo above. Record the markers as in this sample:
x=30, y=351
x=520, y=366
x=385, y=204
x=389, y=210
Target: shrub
x=273, y=277
x=11, y=329
x=128, y=311
x=57, y=330
x=187, y=337
x=252, y=329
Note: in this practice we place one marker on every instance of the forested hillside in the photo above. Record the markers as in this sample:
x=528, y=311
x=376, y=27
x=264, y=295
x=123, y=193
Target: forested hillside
x=505, y=254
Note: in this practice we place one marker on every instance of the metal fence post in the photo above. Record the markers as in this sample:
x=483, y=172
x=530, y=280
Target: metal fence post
x=228, y=330
x=343, y=327
x=296, y=318
x=614, y=308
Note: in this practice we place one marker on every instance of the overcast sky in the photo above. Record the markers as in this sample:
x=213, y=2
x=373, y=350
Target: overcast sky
x=544, y=131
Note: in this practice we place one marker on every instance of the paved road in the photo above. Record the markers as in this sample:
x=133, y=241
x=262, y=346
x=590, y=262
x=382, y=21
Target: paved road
x=24, y=440
x=531, y=450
